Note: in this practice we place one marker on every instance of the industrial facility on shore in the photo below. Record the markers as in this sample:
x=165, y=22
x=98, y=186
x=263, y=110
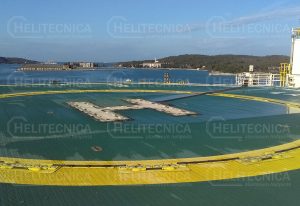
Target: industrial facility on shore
x=155, y=64
x=58, y=67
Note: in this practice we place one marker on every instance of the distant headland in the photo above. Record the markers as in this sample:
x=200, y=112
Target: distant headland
x=16, y=60
x=217, y=63
x=213, y=64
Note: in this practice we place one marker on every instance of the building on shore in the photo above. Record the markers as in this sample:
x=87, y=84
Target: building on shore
x=52, y=66
x=86, y=65
x=80, y=65
x=155, y=64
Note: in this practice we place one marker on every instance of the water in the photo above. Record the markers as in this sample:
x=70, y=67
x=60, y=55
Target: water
x=9, y=75
x=216, y=130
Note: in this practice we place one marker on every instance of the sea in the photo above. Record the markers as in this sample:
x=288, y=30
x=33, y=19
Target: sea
x=44, y=127
x=9, y=74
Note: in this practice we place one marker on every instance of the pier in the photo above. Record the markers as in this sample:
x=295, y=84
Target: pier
x=43, y=67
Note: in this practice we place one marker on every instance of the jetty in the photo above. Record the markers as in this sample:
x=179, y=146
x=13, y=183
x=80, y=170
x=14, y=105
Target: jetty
x=43, y=67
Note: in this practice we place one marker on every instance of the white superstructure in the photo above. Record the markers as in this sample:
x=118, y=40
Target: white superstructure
x=295, y=58
x=252, y=79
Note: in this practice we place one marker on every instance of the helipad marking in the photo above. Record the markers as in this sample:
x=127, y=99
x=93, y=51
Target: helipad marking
x=276, y=159
x=237, y=96
x=110, y=114
x=24, y=94
x=259, y=99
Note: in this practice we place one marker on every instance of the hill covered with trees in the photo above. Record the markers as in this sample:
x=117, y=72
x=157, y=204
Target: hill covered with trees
x=220, y=63
x=15, y=60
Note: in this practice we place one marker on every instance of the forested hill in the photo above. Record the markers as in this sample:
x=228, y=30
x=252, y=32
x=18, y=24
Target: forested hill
x=221, y=63
x=14, y=60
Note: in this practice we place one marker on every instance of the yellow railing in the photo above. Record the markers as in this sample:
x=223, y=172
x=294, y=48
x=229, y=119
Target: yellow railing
x=296, y=32
x=285, y=70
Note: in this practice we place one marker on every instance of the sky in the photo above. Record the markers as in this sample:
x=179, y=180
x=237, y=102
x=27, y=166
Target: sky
x=121, y=30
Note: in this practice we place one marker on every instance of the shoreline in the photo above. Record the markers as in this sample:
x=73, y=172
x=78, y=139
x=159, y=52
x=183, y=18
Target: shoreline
x=122, y=83
x=55, y=69
x=216, y=73
x=105, y=68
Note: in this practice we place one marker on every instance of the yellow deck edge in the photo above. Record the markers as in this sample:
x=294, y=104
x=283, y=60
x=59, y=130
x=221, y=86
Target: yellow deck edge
x=276, y=159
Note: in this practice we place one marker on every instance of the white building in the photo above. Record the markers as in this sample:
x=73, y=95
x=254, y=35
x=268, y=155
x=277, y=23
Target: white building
x=86, y=64
x=154, y=64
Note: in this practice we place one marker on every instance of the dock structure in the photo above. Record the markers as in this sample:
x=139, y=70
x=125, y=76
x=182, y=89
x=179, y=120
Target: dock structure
x=108, y=114
x=44, y=67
